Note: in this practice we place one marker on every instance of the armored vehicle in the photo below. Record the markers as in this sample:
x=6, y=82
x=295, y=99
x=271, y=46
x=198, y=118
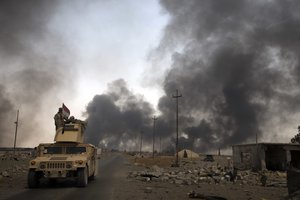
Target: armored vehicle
x=209, y=158
x=68, y=157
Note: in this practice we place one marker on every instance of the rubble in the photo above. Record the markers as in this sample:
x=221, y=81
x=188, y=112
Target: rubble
x=212, y=175
x=5, y=174
x=194, y=195
x=13, y=165
x=148, y=190
x=17, y=157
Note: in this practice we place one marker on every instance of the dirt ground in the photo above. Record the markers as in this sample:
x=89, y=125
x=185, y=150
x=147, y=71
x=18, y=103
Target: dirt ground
x=13, y=175
x=166, y=190
x=136, y=187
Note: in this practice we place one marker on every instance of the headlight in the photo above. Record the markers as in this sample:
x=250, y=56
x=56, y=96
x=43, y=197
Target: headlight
x=32, y=162
x=79, y=162
x=42, y=165
x=69, y=165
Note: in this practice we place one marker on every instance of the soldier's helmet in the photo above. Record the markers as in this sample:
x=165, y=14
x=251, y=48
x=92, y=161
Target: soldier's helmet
x=72, y=118
x=59, y=109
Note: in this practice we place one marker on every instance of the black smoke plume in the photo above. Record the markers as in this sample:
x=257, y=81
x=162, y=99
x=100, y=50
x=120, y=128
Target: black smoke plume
x=5, y=116
x=35, y=66
x=236, y=64
x=117, y=118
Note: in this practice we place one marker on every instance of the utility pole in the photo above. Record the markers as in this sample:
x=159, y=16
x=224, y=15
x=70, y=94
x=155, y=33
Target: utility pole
x=136, y=143
x=256, y=141
x=154, y=119
x=16, y=132
x=159, y=144
x=141, y=144
x=176, y=97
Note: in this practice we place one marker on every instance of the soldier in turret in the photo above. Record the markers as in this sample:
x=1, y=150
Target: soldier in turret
x=59, y=119
x=73, y=120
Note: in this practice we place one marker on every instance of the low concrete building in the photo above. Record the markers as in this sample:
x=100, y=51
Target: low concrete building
x=270, y=156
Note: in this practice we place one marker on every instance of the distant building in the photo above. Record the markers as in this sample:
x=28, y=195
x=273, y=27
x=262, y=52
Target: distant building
x=186, y=153
x=261, y=156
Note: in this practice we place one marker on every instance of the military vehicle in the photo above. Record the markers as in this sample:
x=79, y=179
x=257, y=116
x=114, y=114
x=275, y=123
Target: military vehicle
x=68, y=157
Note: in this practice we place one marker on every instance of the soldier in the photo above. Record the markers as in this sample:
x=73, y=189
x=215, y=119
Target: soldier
x=71, y=120
x=59, y=119
x=263, y=178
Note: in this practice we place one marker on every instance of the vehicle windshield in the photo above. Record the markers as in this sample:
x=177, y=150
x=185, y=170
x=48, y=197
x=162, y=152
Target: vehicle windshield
x=53, y=150
x=75, y=150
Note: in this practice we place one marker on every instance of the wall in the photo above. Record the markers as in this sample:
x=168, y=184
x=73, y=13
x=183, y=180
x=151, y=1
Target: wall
x=276, y=158
x=247, y=156
x=271, y=156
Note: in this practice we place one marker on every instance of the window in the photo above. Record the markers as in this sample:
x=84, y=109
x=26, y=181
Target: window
x=75, y=150
x=53, y=150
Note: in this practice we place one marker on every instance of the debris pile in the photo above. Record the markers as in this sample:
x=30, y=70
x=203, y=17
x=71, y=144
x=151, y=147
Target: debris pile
x=13, y=165
x=194, y=195
x=13, y=171
x=211, y=175
x=17, y=156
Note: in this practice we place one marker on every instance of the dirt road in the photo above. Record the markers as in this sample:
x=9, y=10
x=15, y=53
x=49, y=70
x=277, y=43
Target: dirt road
x=110, y=170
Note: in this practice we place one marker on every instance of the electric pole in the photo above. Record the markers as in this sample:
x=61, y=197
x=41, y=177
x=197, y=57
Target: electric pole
x=141, y=144
x=16, y=131
x=159, y=144
x=154, y=119
x=176, y=97
x=136, y=142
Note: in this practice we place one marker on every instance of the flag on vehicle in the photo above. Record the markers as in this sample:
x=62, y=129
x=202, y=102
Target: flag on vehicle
x=66, y=111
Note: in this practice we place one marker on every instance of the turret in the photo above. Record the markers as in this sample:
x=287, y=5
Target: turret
x=71, y=132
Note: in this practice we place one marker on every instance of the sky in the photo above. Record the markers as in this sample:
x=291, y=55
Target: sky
x=111, y=40
x=116, y=64
x=82, y=46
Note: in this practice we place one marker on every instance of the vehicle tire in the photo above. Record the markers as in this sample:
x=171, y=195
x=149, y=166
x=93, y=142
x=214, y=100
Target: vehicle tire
x=293, y=140
x=52, y=182
x=33, y=179
x=92, y=177
x=82, y=177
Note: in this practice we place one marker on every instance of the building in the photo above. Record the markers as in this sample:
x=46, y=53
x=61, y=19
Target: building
x=261, y=156
x=185, y=153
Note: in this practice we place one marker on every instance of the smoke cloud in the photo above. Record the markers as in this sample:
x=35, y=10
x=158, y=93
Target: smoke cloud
x=35, y=65
x=235, y=62
x=5, y=117
x=117, y=118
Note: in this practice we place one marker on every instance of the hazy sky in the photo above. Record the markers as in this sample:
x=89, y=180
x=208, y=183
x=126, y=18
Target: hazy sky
x=111, y=40
x=68, y=51
x=118, y=63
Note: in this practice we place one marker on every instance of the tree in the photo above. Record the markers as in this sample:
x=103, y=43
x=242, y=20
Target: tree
x=296, y=138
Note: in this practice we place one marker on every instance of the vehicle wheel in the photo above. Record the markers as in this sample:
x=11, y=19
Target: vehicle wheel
x=82, y=177
x=52, y=181
x=33, y=179
x=293, y=140
x=92, y=177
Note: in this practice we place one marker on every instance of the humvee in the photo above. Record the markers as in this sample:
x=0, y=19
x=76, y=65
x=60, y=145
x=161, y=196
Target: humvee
x=68, y=157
